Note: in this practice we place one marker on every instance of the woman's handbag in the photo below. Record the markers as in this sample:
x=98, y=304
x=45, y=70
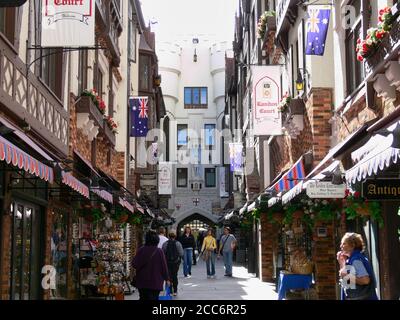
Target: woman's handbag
x=206, y=255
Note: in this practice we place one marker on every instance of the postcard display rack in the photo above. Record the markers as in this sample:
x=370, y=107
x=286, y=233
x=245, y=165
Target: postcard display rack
x=110, y=258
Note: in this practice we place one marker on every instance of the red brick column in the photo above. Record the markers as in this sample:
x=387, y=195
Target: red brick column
x=319, y=109
x=5, y=257
x=47, y=248
x=269, y=233
x=324, y=257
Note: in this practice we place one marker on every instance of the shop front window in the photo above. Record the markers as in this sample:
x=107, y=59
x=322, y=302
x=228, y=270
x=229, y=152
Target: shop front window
x=25, y=253
x=59, y=252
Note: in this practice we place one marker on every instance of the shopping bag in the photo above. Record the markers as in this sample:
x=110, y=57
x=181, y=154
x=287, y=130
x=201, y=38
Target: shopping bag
x=167, y=294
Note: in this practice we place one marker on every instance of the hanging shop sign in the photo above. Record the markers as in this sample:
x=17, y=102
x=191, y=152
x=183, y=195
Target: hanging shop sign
x=222, y=182
x=381, y=189
x=325, y=190
x=63, y=20
x=165, y=178
x=265, y=100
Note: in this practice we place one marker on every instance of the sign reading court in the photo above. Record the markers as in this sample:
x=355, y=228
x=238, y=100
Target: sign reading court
x=381, y=189
x=63, y=20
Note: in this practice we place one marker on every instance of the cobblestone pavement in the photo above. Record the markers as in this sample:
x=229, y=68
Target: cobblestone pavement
x=242, y=286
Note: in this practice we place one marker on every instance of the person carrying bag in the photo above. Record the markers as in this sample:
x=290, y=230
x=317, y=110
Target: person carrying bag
x=226, y=250
x=208, y=253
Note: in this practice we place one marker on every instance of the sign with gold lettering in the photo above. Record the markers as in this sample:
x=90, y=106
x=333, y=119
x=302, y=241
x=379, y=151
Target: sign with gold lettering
x=68, y=23
x=381, y=189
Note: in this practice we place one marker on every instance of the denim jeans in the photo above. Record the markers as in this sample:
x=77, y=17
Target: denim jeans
x=210, y=263
x=187, y=261
x=228, y=261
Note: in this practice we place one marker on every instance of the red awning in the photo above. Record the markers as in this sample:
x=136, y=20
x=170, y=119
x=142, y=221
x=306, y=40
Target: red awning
x=126, y=205
x=139, y=208
x=75, y=184
x=18, y=158
x=103, y=194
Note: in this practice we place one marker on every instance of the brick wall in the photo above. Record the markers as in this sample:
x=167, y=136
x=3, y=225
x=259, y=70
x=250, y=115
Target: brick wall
x=81, y=143
x=5, y=256
x=47, y=248
x=319, y=110
x=269, y=236
x=120, y=167
x=358, y=114
x=324, y=257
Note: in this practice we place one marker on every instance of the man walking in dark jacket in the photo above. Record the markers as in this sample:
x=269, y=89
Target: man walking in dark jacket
x=188, y=244
x=174, y=253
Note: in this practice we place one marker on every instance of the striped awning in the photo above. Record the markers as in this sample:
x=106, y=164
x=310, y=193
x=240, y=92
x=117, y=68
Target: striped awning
x=103, y=194
x=290, y=178
x=13, y=155
x=378, y=154
x=126, y=205
x=139, y=208
x=69, y=180
x=273, y=201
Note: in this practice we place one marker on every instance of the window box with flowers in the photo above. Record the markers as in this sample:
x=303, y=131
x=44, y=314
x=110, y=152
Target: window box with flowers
x=266, y=22
x=265, y=29
x=356, y=206
x=88, y=106
x=292, y=114
x=366, y=48
x=110, y=129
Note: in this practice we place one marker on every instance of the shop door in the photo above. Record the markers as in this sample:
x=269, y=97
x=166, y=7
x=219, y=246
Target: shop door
x=25, y=255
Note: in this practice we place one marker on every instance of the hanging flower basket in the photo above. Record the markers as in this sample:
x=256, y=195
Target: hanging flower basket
x=298, y=214
x=356, y=206
x=123, y=218
x=277, y=217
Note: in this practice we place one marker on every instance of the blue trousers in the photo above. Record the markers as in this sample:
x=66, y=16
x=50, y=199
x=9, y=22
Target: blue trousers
x=187, y=261
x=228, y=261
x=210, y=263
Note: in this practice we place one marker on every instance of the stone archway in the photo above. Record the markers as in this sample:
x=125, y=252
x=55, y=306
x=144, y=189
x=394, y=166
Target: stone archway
x=206, y=222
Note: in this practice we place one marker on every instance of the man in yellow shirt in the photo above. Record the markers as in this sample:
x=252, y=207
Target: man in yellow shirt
x=208, y=252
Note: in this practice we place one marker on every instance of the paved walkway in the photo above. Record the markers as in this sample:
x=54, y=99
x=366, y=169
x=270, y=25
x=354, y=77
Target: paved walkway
x=242, y=286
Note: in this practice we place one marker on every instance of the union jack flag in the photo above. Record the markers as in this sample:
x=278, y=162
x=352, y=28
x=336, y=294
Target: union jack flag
x=139, y=116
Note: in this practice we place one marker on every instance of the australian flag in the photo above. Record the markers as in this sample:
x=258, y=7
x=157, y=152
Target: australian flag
x=139, y=116
x=317, y=30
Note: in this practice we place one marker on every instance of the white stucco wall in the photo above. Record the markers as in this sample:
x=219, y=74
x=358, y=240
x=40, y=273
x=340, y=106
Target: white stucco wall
x=178, y=70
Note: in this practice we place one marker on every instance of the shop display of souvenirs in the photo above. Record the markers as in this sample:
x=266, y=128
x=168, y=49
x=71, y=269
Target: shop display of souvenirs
x=109, y=259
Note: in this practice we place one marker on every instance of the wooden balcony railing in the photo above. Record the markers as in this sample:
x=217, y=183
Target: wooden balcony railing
x=26, y=97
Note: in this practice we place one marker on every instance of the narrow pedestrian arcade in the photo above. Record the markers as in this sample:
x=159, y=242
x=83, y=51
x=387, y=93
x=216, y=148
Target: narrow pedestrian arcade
x=242, y=286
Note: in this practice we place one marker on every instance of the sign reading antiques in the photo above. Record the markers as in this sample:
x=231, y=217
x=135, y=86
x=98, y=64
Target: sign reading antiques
x=325, y=190
x=381, y=189
x=266, y=98
x=63, y=20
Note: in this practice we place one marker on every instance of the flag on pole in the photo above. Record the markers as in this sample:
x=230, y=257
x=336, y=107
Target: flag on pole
x=139, y=116
x=236, y=156
x=317, y=29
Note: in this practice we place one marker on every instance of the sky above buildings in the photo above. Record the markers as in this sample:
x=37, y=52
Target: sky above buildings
x=175, y=19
